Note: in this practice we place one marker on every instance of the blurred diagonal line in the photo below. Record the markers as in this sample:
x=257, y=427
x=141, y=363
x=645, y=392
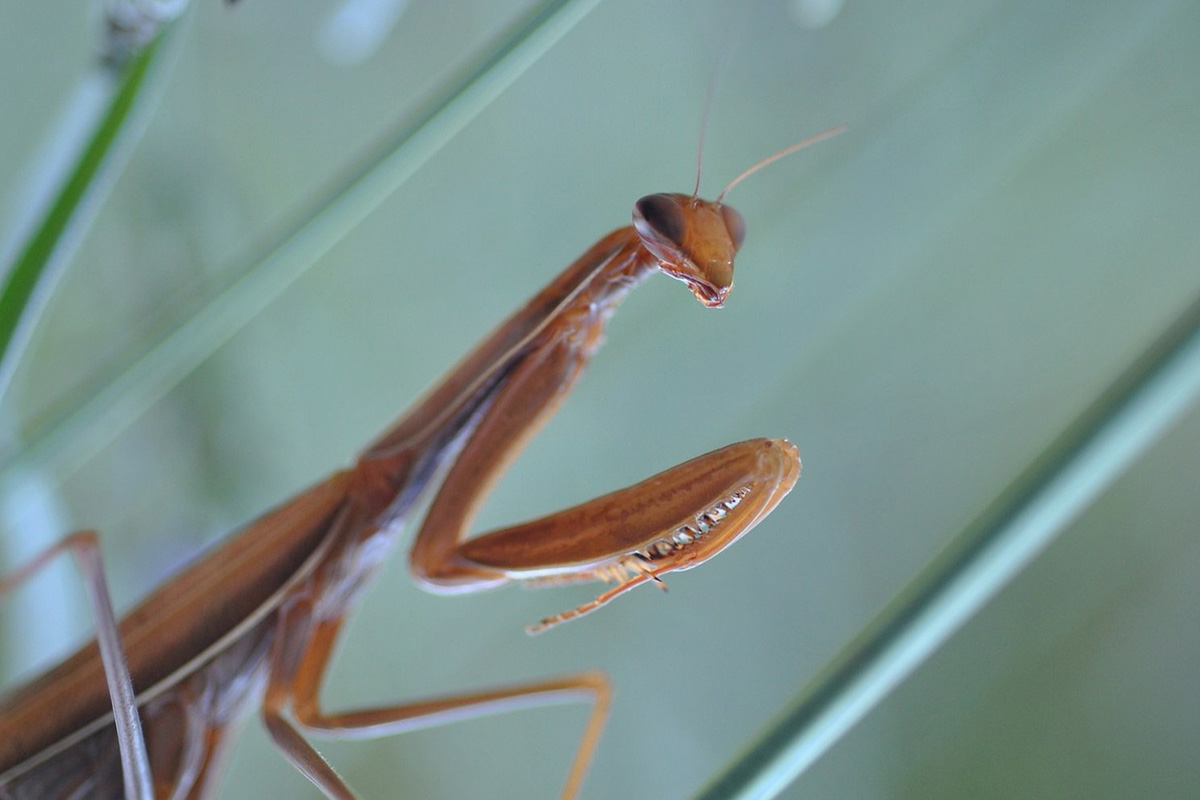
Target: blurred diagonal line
x=99, y=419
x=1073, y=472
x=89, y=147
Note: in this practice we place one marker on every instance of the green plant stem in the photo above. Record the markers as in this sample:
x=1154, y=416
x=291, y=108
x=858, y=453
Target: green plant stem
x=1073, y=472
x=113, y=406
x=37, y=265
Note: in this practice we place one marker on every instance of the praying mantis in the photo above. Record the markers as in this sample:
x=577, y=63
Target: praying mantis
x=147, y=710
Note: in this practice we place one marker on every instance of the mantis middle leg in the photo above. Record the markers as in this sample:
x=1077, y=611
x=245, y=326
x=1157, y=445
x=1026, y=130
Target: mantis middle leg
x=85, y=547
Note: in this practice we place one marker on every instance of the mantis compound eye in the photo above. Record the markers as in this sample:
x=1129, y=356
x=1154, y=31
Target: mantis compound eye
x=659, y=218
x=735, y=225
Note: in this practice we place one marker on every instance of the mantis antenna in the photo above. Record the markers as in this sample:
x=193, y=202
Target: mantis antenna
x=787, y=151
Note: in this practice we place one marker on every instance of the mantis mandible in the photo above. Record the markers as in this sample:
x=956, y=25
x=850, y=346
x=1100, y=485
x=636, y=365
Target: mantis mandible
x=148, y=709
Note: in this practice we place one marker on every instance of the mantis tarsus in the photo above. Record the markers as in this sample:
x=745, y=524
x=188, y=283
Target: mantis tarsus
x=259, y=615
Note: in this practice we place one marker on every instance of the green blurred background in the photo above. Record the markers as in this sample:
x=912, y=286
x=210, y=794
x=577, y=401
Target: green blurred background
x=922, y=304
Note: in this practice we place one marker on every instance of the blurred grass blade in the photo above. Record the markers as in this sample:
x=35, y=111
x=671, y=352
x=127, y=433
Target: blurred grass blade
x=109, y=409
x=38, y=262
x=1071, y=474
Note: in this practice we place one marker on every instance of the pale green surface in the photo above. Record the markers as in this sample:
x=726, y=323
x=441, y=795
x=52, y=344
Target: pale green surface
x=921, y=305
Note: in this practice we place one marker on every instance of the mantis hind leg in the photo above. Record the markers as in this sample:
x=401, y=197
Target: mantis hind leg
x=214, y=748
x=296, y=675
x=85, y=547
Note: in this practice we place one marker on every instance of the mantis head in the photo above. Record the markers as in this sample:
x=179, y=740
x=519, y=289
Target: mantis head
x=694, y=241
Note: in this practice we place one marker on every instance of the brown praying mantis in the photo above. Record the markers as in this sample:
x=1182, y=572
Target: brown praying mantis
x=146, y=710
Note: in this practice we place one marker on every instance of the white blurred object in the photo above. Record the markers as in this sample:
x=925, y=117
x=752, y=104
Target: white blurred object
x=46, y=615
x=356, y=29
x=129, y=25
x=815, y=14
